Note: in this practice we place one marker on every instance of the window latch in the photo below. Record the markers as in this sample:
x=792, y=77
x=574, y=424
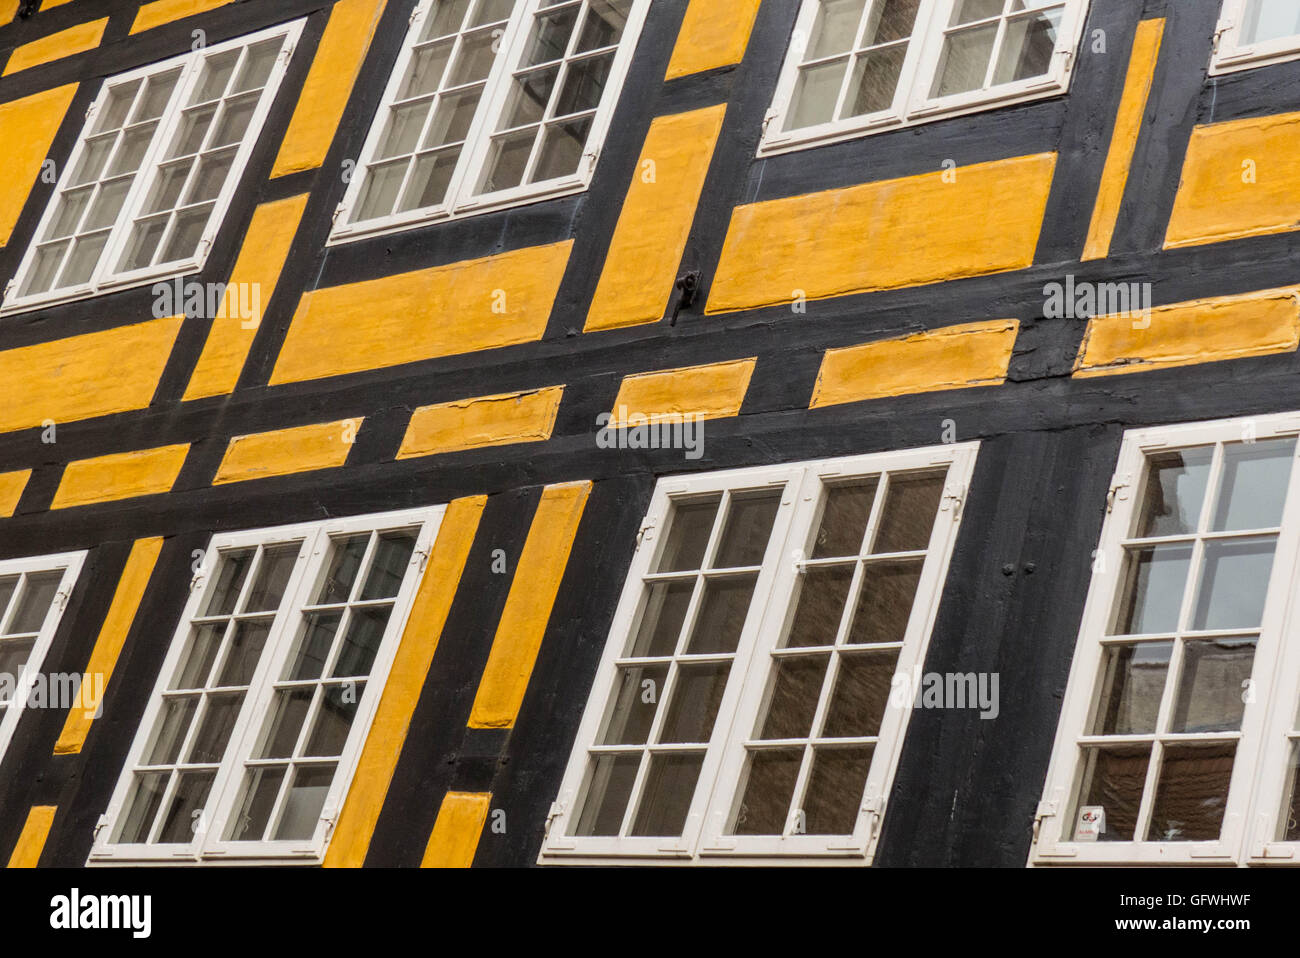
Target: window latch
x=338, y=211
x=1223, y=27
x=196, y=581
x=557, y=809
x=646, y=532
x=873, y=807
x=100, y=825
x=1045, y=810
x=592, y=156
x=767, y=120
x=1118, y=491
x=61, y=597
x=954, y=495
x=423, y=556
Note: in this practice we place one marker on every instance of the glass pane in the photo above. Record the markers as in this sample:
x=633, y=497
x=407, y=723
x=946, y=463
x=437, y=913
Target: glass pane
x=844, y=519
x=173, y=723
x=661, y=619
x=561, y=150
x=425, y=73
x=1255, y=479
x=45, y=267
x=380, y=190
x=452, y=119
x=1114, y=779
x=257, y=801
x=216, y=76
x=1269, y=20
x=1213, y=687
x=192, y=132
x=235, y=117
x=446, y=18
x=205, y=642
x=796, y=688
x=885, y=605
x=820, y=605
x=72, y=206
x=184, y=815
x=747, y=530
x=910, y=508
x=1174, y=492
x=862, y=688
x=405, y=124
x=1289, y=821
x=1192, y=793
x=117, y=104
x=257, y=66
x=388, y=567
x=550, y=35
x=165, y=193
x=609, y=785
x=491, y=11
x=214, y=733
x=815, y=94
x=146, y=797
x=365, y=632
x=157, y=94
x=766, y=792
x=584, y=85
x=108, y=204
x=1132, y=687
x=346, y=554
x=429, y=181
x=132, y=148
x=92, y=159
x=965, y=60
x=633, y=707
x=272, y=577
x=14, y=654
x=835, y=788
x=8, y=585
x=211, y=177
x=1153, y=590
x=836, y=28
x=85, y=254
x=1027, y=46
x=966, y=11
x=314, y=644
x=303, y=804
x=666, y=797
x=892, y=20
x=722, y=615
x=604, y=24
x=245, y=650
x=287, y=715
x=474, y=59
x=333, y=723
x=875, y=81
x=34, y=602
x=229, y=582
x=688, y=535
x=187, y=233
x=696, y=695
x=1234, y=584
x=508, y=160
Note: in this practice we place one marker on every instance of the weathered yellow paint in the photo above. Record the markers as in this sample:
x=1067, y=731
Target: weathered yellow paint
x=266, y=246
x=442, y=311
x=985, y=218
x=1123, y=141
x=27, y=128
x=31, y=842
x=714, y=34
x=81, y=377
x=8, y=10
x=641, y=267
x=329, y=83
x=1240, y=178
x=406, y=680
x=108, y=645
x=159, y=12
x=12, y=485
x=456, y=832
x=715, y=391
x=284, y=452
x=65, y=43
x=51, y=4
x=1185, y=334
x=123, y=475
x=955, y=357
x=528, y=606
x=484, y=421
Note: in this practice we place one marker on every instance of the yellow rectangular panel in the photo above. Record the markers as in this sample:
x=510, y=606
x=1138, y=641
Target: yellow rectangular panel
x=124, y=475
x=484, y=421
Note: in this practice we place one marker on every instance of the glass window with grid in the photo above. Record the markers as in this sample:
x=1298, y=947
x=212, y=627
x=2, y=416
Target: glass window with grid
x=490, y=98
x=147, y=183
x=1253, y=32
x=262, y=707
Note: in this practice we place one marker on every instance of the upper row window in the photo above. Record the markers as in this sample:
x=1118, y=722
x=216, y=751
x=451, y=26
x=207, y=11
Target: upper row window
x=1255, y=32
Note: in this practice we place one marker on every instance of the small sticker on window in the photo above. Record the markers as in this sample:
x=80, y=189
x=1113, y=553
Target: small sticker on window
x=1092, y=822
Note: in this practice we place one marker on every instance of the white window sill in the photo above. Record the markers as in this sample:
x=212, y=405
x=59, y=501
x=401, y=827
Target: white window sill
x=173, y=272
x=1251, y=59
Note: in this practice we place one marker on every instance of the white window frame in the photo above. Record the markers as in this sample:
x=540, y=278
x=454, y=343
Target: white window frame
x=207, y=847
x=912, y=103
x=1255, y=788
x=71, y=562
x=1231, y=55
x=106, y=278
x=703, y=841
x=462, y=200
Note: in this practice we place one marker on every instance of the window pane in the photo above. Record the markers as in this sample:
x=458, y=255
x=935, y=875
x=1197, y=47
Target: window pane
x=257, y=801
x=885, y=604
x=34, y=602
x=272, y=577
x=388, y=567
x=836, y=28
x=604, y=24
x=662, y=618
x=246, y=646
x=796, y=688
x=1132, y=688
x=609, y=786
x=835, y=788
x=635, y=702
x=346, y=554
x=861, y=694
x=965, y=60
x=172, y=726
x=1153, y=590
x=875, y=81
x=1192, y=792
x=892, y=20
x=1174, y=492
x=1114, y=778
x=966, y=11
x=8, y=585
x=315, y=641
x=910, y=508
x=257, y=66
x=844, y=519
x=214, y=732
x=196, y=666
x=426, y=71
x=1234, y=584
x=429, y=181
x=722, y=615
x=303, y=804
x=142, y=809
x=184, y=815
x=688, y=535
x=767, y=791
x=584, y=85
x=229, y=582
x=1028, y=46
x=816, y=93
x=288, y=712
x=821, y=592
x=666, y=798
x=747, y=530
x=1255, y=480
x=338, y=710
x=1289, y=821
x=549, y=38
x=1269, y=20
x=14, y=654
x=1212, y=691
x=561, y=149
x=696, y=695
x=446, y=17
x=361, y=644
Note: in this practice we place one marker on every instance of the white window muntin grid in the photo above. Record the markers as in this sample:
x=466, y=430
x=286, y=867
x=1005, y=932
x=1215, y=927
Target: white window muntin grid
x=702, y=841
x=106, y=277
x=70, y=563
x=462, y=200
x=1231, y=55
x=912, y=103
x=208, y=847
x=1054, y=820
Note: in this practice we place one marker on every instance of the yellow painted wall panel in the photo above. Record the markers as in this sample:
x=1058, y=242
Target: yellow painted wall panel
x=12, y=485
x=284, y=452
x=646, y=251
x=457, y=830
x=460, y=308
x=27, y=128
x=1185, y=334
x=715, y=391
x=528, y=606
x=65, y=43
x=955, y=357
x=714, y=34
x=257, y=270
x=484, y=421
x=1240, y=178
x=159, y=12
x=108, y=645
x=8, y=10
x=406, y=680
x=885, y=235
x=124, y=475
x=31, y=842
x=85, y=376
x=329, y=83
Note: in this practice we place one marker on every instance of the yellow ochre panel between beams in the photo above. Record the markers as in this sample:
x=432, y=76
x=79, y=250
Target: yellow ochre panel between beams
x=457, y=831
x=8, y=10
x=12, y=485
x=108, y=646
x=528, y=606
x=65, y=43
x=715, y=391
x=406, y=678
x=27, y=853
x=484, y=421
x=1123, y=141
x=945, y=225
x=714, y=34
x=252, y=282
x=329, y=83
x=159, y=12
x=463, y=307
x=955, y=357
x=1186, y=334
x=123, y=475
x=27, y=128
x=284, y=452
x=646, y=252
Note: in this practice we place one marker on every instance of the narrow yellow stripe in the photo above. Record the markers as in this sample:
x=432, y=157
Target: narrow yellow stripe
x=65, y=43
x=456, y=832
x=528, y=606
x=484, y=421
x=124, y=475
x=1123, y=141
x=252, y=283
x=159, y=12
x=12, y=485
x=714, y=34
x=329, y=83
x=284, y=452
x=112, y=637
x=406, y=680
x=27, y=853
x=716, y=391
